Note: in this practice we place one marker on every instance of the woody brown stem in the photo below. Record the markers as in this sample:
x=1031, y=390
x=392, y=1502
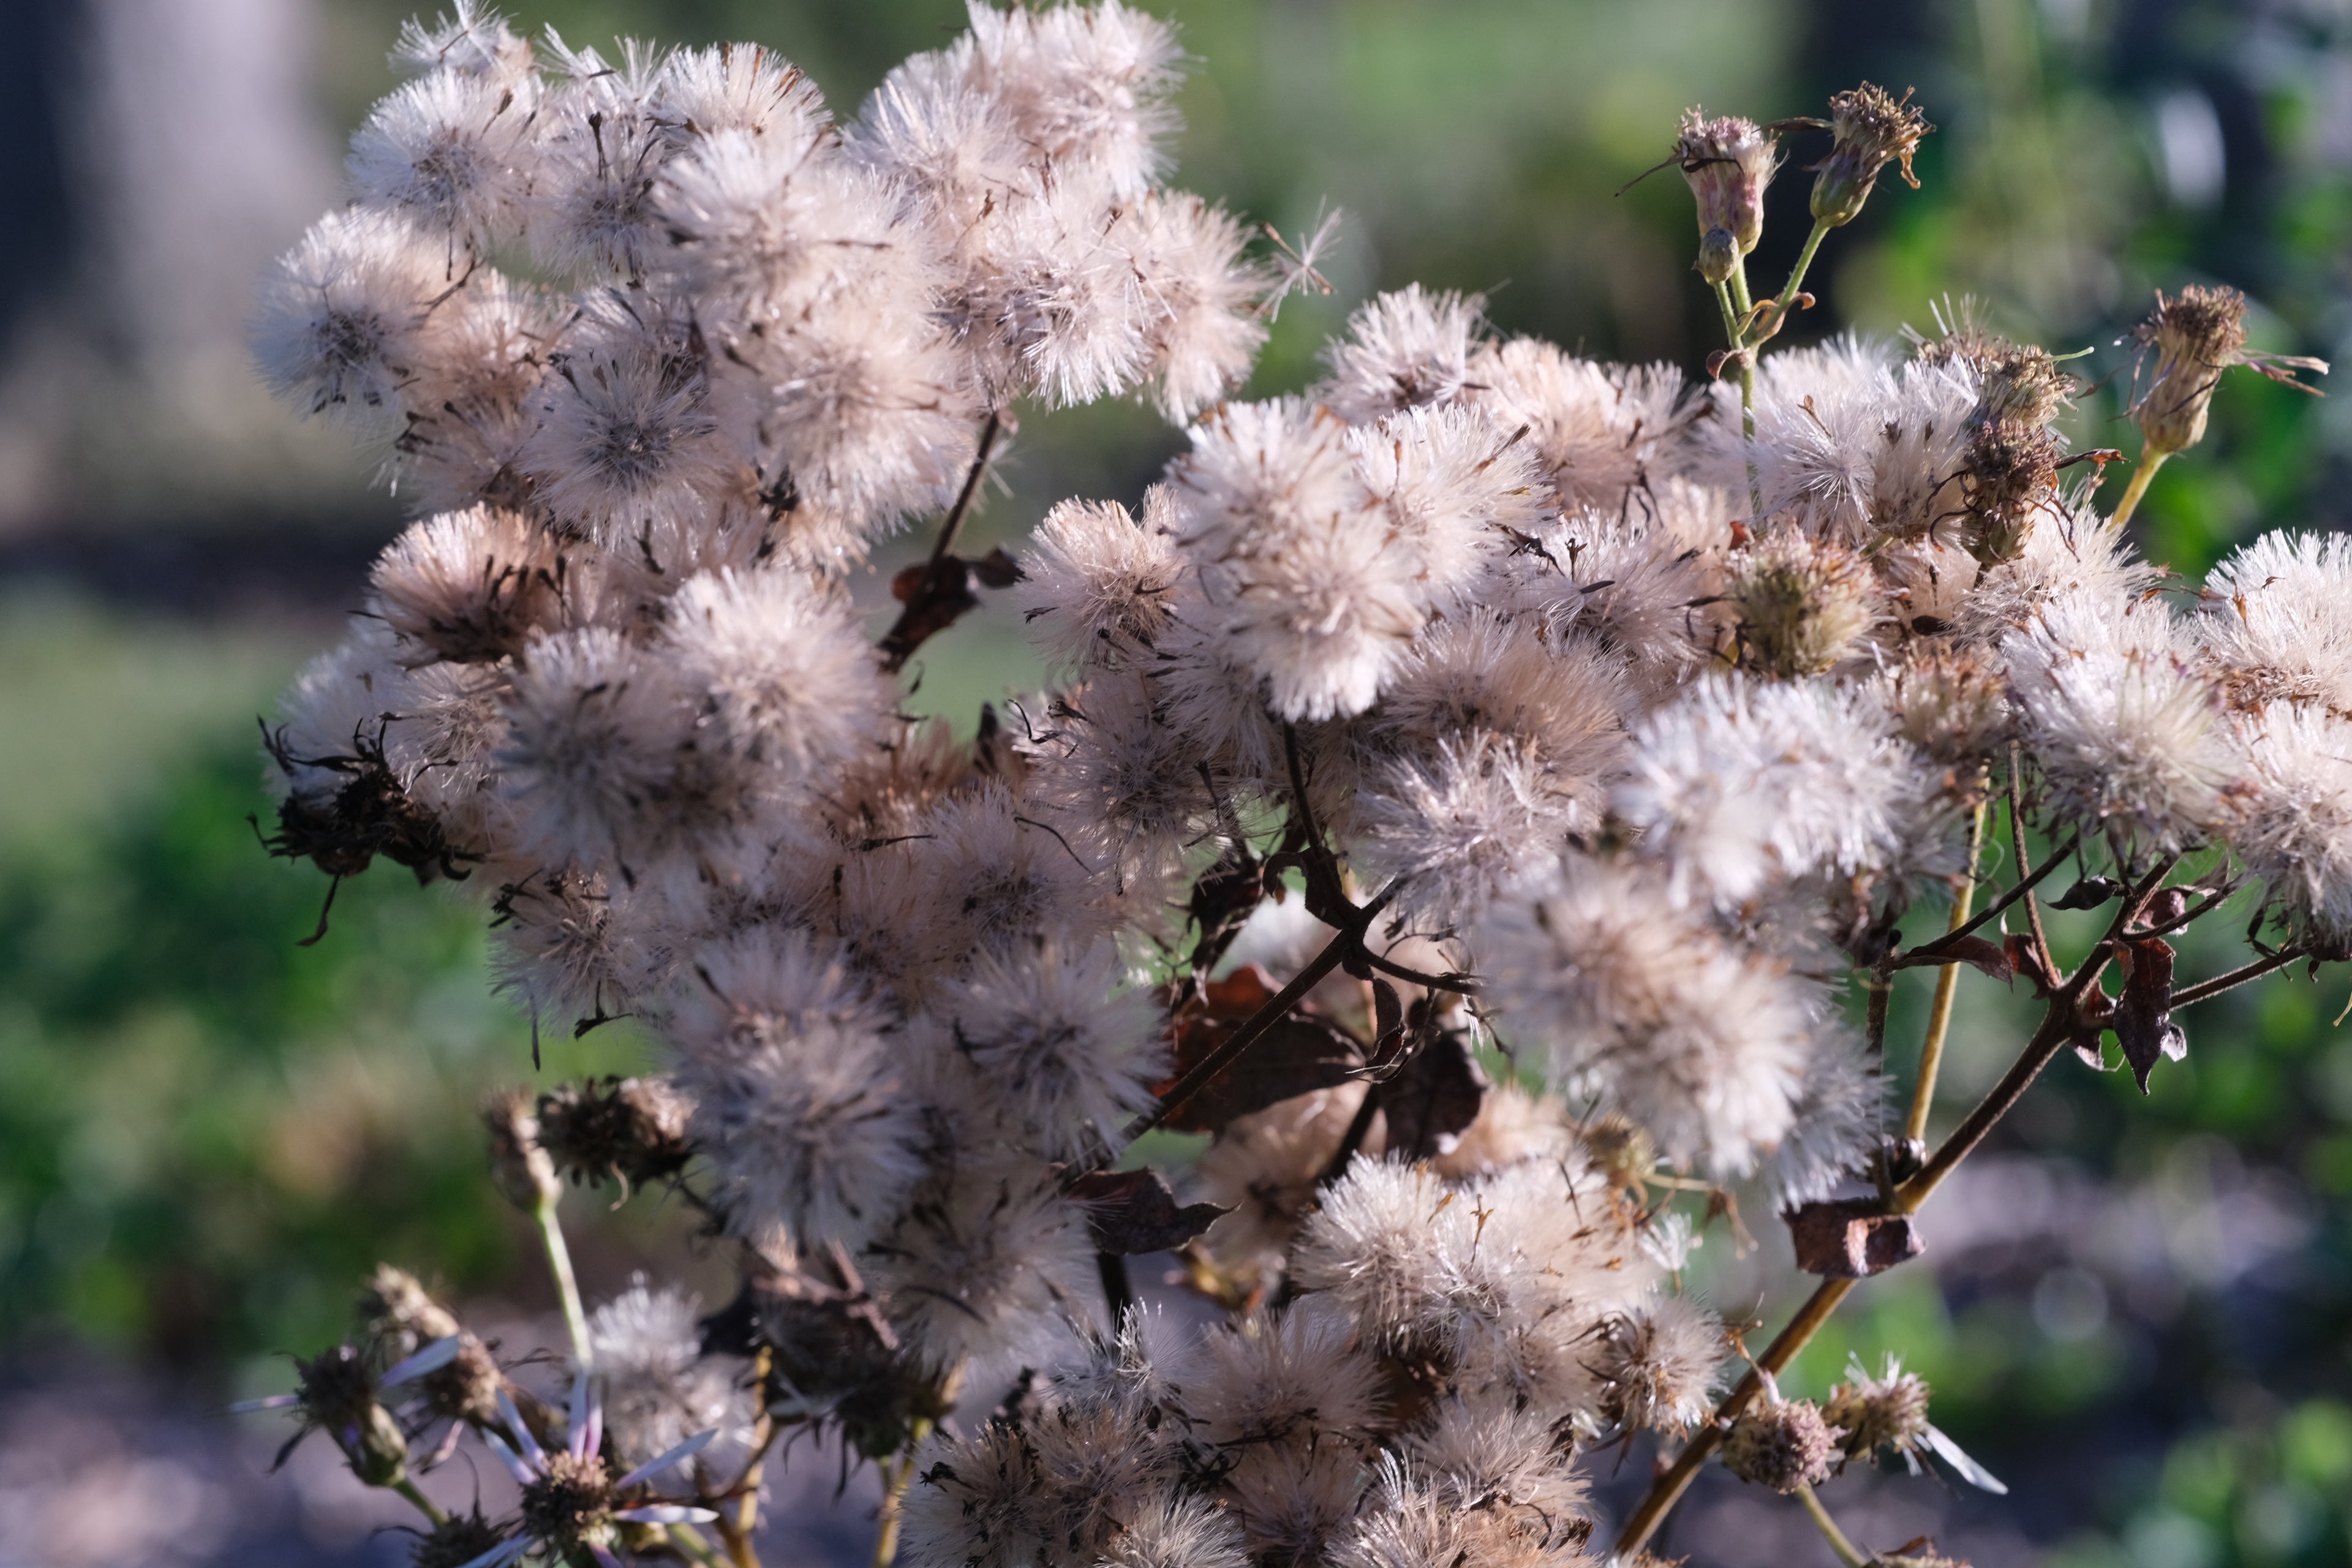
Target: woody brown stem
x=943, y=590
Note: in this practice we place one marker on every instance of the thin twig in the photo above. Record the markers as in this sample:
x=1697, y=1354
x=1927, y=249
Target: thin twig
x=1669, y=1487
x=944, y=577
x=2025, y=866
x=1947, y=985
x=1932, y=952
x=2235, y=978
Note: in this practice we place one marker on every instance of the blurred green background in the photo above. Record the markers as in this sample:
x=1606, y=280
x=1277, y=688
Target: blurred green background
x=208, y=1133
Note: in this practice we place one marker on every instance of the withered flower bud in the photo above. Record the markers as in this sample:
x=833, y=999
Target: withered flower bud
x=2197, y=336
x=633, y=1130
x=1869, y=129
x=1889, y=1412
x=1728, y=161
x=456, y=1541
x=2008, y=475
x=399, y=1316
x=1782, y=1445
x=467, y=1388
x=1718, y=256
x=337, y=1394
x=1803, y=604
x=517, y=1164
x=570, y=1505
x=1619, y=1149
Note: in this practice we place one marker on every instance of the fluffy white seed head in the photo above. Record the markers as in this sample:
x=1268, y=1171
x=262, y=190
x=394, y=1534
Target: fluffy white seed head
x=347, y=315
x=1409, y=349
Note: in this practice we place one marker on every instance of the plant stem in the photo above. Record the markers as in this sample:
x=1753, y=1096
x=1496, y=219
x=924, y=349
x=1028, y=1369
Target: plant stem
x=1848, y=1553
x=737, y=1532
x=1258, y=1023
x=567, y=1286
x=895, y=1475
x=2235, y=978
x=1777, y=312
x=2148, y=463
x=424, y=1505
x=2058, y=1025
x=690, y=1540
x=1948, y=980
x=2024, y=872
x=1669, y=1488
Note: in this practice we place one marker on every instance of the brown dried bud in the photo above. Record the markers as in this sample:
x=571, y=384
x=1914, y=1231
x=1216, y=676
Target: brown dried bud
x=517, y=1164
x=2008, y=475
x=570, y=1505
x=1803, y=604
x=337, y=1394
x=467, y=1388
x=633, y=1130
x=1619, y=1149
x=1869, y=129
x=1781, y=1445
x=456, y=1541
x=398, y=1316
x=2197, y=336
x=1889, y=1412
x=1728, y=161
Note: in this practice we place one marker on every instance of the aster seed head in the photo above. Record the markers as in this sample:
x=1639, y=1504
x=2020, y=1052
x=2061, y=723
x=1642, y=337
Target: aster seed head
x=1869, y=128
x=1781, y=1445
x=633, y=1128
x=1888, y=1412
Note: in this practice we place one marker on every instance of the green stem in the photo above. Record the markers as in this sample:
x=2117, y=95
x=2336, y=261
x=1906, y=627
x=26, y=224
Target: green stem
x=567, y=1286
x=2148, y=463
x=689, y=1540
x=1735, y=305
x=1777, y=311
x=1848, y=1553
x=424, y=1505
x=1939, y=1015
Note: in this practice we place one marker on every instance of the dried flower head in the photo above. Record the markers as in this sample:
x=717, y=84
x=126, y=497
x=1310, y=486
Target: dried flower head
x=2009, y=474
x=633, y=1130
x=1728, y=161
x=1887, y=1412
x=1870, y=128
x=1803, y=604
x=1781, y=1443
x=2196, y=334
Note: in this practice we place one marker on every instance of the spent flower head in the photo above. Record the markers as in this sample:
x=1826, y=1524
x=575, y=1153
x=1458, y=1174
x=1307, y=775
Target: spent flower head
x=1869, y=129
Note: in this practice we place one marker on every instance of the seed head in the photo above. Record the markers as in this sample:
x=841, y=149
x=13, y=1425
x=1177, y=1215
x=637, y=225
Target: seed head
x=633, y=1128
x=2007, y=476
x=1869, y=128
x=1887, y=1412
x=1781, y=1445
x=398, y=1316
x=338, y=1396
x=571, y=1504
x=456, y=1541
x=1803, y=604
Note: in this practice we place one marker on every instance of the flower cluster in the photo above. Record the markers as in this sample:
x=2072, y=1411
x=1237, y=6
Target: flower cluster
x=1482, y=697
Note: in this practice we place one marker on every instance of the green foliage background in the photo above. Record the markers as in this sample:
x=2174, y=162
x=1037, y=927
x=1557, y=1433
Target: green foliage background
x=207, y=1132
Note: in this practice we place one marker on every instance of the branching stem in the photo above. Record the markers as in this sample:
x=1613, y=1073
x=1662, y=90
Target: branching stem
x=424, y=1505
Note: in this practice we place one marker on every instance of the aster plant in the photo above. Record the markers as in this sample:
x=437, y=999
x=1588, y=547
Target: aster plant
x=1484, y=699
